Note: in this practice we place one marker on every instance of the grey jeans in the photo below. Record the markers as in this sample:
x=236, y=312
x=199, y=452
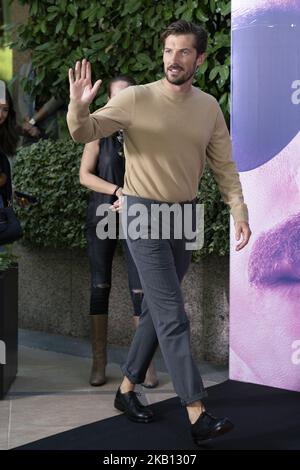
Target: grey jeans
x=162, y=264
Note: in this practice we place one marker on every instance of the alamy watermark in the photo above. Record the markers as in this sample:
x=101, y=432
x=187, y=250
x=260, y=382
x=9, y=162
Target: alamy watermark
x=181, y=221
x=2, y=352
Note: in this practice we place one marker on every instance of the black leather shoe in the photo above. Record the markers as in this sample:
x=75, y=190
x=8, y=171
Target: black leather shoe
x=131, y=406
x=208, y=427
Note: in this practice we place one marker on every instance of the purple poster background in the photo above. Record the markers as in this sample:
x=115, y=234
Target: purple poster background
x=265, y=129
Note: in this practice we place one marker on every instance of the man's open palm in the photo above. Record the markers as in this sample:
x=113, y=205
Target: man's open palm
x=81, y=88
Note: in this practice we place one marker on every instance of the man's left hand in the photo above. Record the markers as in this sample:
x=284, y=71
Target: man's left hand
x=117, y=205
x=242, y=229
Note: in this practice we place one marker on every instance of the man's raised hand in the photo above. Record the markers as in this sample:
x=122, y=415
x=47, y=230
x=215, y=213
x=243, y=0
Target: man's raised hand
x=81, y=88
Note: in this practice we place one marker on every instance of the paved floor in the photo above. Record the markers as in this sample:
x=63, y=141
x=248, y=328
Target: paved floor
x=51, y=393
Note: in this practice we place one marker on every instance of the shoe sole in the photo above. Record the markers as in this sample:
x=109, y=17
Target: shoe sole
x=218, y=431
x=132, y=418
x=151, y=386
x=97, y=384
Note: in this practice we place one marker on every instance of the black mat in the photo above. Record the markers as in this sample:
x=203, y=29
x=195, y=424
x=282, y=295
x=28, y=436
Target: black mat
x=264, y=417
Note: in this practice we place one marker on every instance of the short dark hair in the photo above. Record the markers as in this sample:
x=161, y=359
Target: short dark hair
x=187, y=27
x=120, y=78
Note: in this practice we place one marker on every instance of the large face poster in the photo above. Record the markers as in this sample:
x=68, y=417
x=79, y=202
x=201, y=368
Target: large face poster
x=265, y=276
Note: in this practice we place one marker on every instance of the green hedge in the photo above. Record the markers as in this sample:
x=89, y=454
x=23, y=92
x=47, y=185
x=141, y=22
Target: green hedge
x=120, y=37
x=216, y=218
x=50, y=171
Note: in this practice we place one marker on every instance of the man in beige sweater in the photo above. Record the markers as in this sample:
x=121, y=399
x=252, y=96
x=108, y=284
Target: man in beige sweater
x=170, y=129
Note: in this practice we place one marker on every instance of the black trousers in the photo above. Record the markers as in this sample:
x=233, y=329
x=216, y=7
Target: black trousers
x=101, y=253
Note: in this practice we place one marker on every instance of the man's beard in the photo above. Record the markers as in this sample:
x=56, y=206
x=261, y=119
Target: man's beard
x=183, y=79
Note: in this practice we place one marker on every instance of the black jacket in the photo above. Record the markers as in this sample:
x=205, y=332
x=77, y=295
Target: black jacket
x=6, y=190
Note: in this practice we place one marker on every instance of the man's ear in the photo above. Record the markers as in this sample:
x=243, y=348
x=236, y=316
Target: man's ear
x=201, y=58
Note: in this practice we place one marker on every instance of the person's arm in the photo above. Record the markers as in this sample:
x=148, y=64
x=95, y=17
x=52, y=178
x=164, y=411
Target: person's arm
x=85, y=127
x=87, y=171
x=50, y=107
x=46, y=110
x=219, y=158
x=25, y=102
x=30, y=128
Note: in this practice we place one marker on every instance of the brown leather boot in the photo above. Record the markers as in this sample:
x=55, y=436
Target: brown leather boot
x=99, y=341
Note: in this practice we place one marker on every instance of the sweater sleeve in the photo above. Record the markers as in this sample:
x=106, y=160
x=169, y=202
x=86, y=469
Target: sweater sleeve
x=115, y=115
x=219, y=158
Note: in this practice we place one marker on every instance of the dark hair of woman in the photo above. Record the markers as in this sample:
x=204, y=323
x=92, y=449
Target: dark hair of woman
x=9, y=133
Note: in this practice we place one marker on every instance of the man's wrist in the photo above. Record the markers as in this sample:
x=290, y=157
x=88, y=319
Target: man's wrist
x=118, y=191
x=241, y=222
x=32, y=121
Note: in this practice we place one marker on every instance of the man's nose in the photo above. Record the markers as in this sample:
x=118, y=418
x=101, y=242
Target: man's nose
x=175, y=56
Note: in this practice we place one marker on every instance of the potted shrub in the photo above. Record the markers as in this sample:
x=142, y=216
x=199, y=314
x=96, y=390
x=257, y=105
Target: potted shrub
x=8, y=320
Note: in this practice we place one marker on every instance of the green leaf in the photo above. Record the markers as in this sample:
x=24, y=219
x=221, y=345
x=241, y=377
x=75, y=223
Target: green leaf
x=52, y=8
x=43, y=27
x=187, y=15
x=131, y=6
x=214, y=72
x=223, y=99
x=43, y=47
x=144, y=58
x=34, y=8
x=225, y=8
x=100, y=13
x=59, y=26
x=86, y=13
x=200, y=15
x=71, y=27
x=51, y=16
x=180, y=9
x=224, y=72
x=72, y=9
x=96, y=37
x=62, y=5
